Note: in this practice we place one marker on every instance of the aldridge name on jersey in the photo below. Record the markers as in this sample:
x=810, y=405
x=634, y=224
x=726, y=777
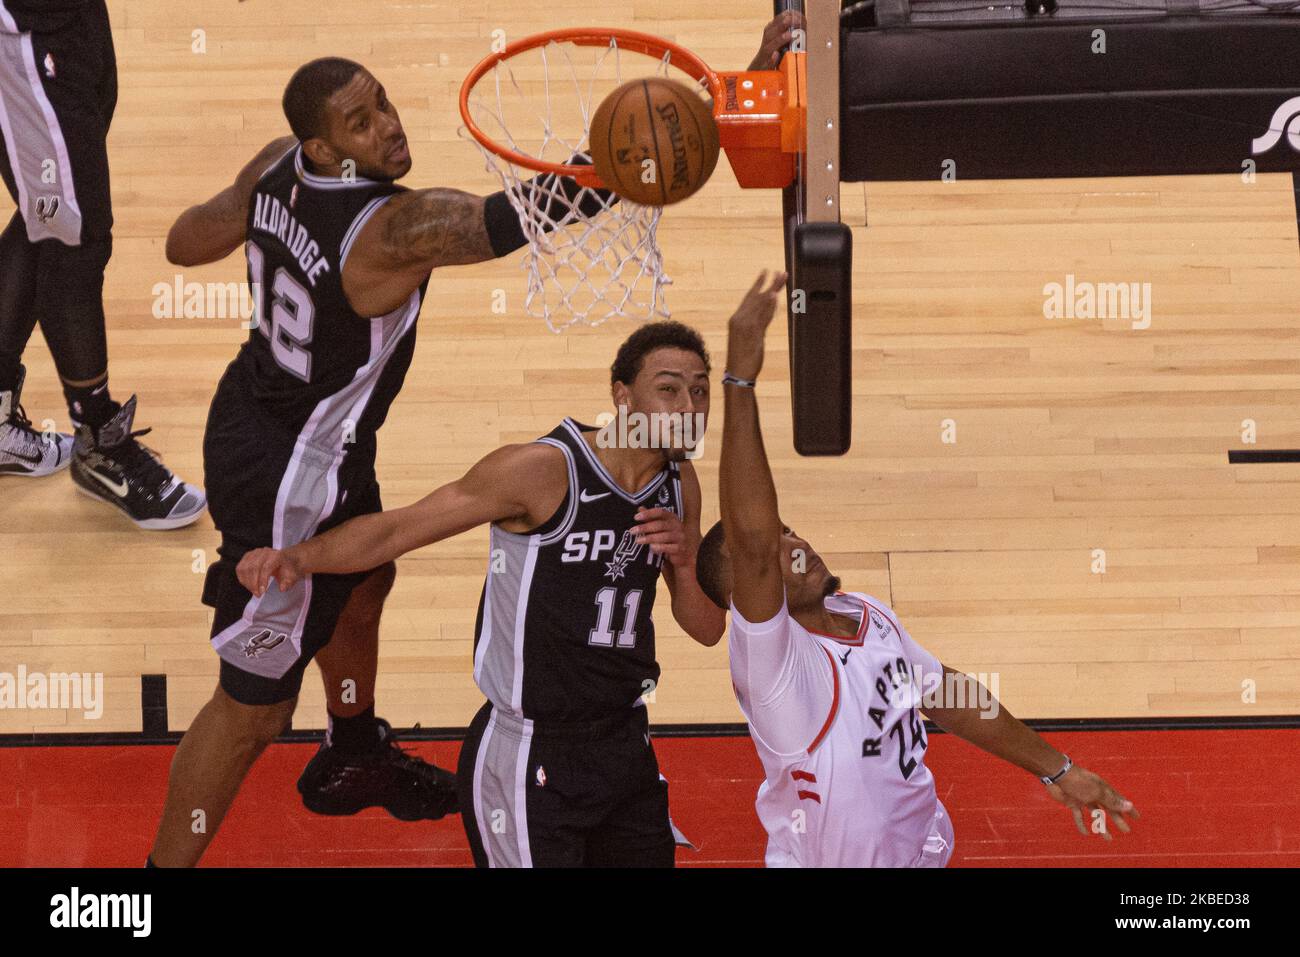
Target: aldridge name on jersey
x=270, y=216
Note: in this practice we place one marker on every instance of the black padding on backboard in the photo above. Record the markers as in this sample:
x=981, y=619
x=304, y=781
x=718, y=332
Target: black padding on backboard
x=821, y=338
x=980, y=100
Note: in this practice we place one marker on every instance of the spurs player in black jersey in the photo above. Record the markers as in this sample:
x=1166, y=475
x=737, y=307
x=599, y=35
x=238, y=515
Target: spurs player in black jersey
x=558, y=769
x=339, y=257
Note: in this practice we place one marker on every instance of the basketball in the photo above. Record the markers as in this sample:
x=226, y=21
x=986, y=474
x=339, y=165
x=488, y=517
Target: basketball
x=653, y=141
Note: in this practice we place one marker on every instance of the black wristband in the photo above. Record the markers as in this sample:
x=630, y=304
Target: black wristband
x=592, y=202
x=505, y=234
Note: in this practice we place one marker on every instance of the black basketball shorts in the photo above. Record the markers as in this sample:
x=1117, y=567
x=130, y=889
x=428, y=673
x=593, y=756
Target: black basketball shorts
x=266, y=487
x=58, y=92
x=588, y=796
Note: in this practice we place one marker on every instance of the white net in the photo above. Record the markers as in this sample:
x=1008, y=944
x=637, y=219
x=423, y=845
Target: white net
x=591, y=256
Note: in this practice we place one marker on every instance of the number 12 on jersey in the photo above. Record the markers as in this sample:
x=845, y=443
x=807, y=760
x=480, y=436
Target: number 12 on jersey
x=606, y=600
x=292, y=312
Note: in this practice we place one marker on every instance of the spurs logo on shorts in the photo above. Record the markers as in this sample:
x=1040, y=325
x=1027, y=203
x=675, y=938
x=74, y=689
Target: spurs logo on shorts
x=263, y=642
x=47, y=207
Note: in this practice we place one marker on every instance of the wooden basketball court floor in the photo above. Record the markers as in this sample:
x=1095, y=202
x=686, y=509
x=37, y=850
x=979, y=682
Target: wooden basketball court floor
x=1076, y=440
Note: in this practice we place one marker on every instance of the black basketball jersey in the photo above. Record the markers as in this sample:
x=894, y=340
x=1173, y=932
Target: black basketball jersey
x=41, y=16
x=311, y=362
x=564, y=631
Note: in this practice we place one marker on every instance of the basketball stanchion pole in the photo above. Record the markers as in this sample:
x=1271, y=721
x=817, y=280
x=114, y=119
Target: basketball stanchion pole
x=819, y=254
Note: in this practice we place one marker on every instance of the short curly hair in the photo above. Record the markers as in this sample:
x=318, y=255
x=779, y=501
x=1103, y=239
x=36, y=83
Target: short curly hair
x=654, y=335
x=311, y=85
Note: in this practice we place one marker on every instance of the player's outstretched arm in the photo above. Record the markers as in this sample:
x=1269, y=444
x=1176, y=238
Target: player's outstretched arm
x=985, y=723
x=411, y=234
x=512, y=482
x=679, y=542
x=748, y=494
x=419, y=230
x=426, y=228
x=213, y=230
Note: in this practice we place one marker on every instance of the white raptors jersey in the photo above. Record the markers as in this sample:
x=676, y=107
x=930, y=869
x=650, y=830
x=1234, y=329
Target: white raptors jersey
x=836, y=725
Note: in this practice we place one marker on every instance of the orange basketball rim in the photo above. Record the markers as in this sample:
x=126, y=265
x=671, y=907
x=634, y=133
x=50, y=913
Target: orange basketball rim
x=761, y=114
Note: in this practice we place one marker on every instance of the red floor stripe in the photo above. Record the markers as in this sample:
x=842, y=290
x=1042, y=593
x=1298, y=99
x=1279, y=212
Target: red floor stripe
x=1208, y=799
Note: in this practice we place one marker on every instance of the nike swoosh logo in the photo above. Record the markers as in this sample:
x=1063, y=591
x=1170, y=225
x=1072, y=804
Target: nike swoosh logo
x=591, y=498
x=117, y=488
x=844, y=658
x=27, y=458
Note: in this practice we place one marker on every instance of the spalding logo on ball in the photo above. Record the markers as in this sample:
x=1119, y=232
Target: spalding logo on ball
x=653, y=141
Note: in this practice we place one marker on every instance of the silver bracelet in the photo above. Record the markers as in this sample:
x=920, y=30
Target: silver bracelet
x=1059, y=774
x=729, y=379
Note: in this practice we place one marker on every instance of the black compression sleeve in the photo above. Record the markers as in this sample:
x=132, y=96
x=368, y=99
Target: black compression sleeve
x=505, y=234
x=593, y=201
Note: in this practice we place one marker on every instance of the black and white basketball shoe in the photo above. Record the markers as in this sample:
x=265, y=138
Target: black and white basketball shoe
x=23, y=450
x=110, y=465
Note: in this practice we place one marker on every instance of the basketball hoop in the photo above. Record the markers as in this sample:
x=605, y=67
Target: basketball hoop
x=529, y=108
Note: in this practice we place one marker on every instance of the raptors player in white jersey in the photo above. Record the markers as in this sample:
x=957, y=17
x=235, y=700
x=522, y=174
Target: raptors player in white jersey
x=831, y=682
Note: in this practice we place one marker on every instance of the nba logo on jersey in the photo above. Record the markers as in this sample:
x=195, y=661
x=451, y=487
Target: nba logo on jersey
x=883, y=628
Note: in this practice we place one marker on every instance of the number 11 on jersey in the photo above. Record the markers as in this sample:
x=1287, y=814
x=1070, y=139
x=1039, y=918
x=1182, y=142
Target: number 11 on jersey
x=606, y=599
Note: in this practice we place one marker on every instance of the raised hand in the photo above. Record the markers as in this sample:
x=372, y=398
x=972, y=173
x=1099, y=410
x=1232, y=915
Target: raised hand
x=779, y=32
x=748, y=326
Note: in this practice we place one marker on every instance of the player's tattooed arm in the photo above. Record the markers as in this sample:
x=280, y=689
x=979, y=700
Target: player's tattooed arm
x=434, y=227
x=518, y=486
x=983, y=721
x=692, y=609
x=406, y=237
x=211, y=231
x=748, y=494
